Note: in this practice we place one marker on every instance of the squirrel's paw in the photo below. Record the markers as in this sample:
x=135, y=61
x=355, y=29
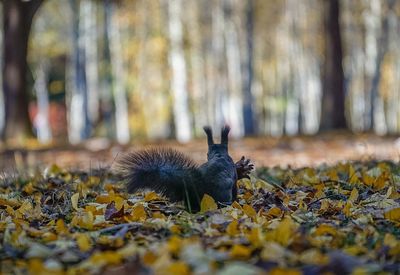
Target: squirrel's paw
x=243, y=168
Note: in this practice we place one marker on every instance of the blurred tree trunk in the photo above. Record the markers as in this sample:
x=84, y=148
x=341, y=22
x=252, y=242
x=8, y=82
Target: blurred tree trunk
x=234, y=114
x=248, y=115
x=17, y=21
x=178, y=67
x=2, y=104
x=333, y=99
x=106, y=104
x=89, y=11
x=377, y=109
x=218, y=92
x=192, y=20
x=118, y=76
x=79, y=125
x=42, y=122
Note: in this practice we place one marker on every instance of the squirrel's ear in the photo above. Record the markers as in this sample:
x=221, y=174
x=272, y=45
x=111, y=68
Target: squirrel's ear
x=208, y=131
x=224, y=134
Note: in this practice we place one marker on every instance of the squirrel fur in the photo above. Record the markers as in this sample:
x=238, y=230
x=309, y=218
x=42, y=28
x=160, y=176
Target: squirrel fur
x=179, y=178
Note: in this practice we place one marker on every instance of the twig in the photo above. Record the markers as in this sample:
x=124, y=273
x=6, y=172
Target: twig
x=326, y=197
x=118, y=226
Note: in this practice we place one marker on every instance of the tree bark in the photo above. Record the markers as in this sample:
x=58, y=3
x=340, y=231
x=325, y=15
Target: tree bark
x=178, y=69
x=333, y=99
x=248, y=114
x=17, y=16
x=118, y=73
x=79, y=125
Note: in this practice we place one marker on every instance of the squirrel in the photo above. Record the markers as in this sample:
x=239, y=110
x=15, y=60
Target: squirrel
x=177, y=177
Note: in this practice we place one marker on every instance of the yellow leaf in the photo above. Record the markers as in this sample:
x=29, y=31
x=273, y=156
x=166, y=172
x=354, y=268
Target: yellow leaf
x=255, y=237
x=48, y=236
x=60, y=227
x=320, y=191
x=175, y=229
x=392, y=193
x=347, y=209
x=249, y=211
x=274, y=212
x=392, y=242
x=29, y=189
x=105, y=258
x=10, y=211
x=246, y=183
x=104, y=199
x=9, y=202
x=152, y=196
x=353, y=178
x=355, y=250
x=83, y=242
x=232, y=228
x=36, y=266
x=158, y=215
x=380, y=182
x=149, y=258
x=87, y=221
x=324, y=205
x=324, y=229
x=240, y=252
x=174, y=245
x=236, y=205
x=332, y=174
x=94, y=210
x=207, y=203
x=367, y=179
x=393, y=215
x=138, y=213
x=74, y=201
x=178, y=268
x=284, y=271
x=26, y=206
x=283, y=233
x=302, y=205
x=84, y=220
x=353, y=195
x=389, y=240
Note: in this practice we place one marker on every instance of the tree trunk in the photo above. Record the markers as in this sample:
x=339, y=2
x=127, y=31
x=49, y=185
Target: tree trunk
x=377, y=108
x=248, y=115
x=234, y=72
x=17, y=16
x=118, y=73
x=89, y=9
x=178, y=68
x=79, y=125
x=199, y=99
x=333, y=99
x=42, y=122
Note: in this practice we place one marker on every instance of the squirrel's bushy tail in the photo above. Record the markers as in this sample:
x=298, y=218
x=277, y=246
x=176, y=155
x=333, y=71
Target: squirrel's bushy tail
x=165, y=171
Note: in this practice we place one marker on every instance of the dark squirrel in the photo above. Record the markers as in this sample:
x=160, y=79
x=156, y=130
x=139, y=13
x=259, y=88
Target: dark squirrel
x=177, y=177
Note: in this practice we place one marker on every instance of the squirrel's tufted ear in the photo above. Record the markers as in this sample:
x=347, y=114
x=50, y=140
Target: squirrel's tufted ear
x=224, y=134
x=209, y=134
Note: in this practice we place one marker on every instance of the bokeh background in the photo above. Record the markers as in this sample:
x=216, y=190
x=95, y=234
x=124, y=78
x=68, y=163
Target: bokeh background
x=149, y=70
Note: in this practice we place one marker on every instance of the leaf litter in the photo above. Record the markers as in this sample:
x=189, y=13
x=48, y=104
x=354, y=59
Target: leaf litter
x=340, y=219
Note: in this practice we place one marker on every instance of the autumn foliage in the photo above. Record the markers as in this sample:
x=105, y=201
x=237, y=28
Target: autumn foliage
x=339, y=219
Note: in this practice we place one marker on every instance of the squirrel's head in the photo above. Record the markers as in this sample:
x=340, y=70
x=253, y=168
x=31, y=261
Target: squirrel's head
x=217, y=149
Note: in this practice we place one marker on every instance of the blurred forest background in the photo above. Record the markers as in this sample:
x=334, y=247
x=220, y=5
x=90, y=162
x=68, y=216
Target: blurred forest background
x=157, y=69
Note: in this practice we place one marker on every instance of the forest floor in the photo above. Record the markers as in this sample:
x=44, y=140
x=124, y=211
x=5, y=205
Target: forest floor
x=337, y=218
x=284, y=152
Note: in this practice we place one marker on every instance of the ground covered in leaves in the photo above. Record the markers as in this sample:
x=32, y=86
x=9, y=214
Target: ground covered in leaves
x=340, y=219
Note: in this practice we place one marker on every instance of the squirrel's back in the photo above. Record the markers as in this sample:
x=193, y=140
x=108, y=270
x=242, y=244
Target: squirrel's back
x=164, y=170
